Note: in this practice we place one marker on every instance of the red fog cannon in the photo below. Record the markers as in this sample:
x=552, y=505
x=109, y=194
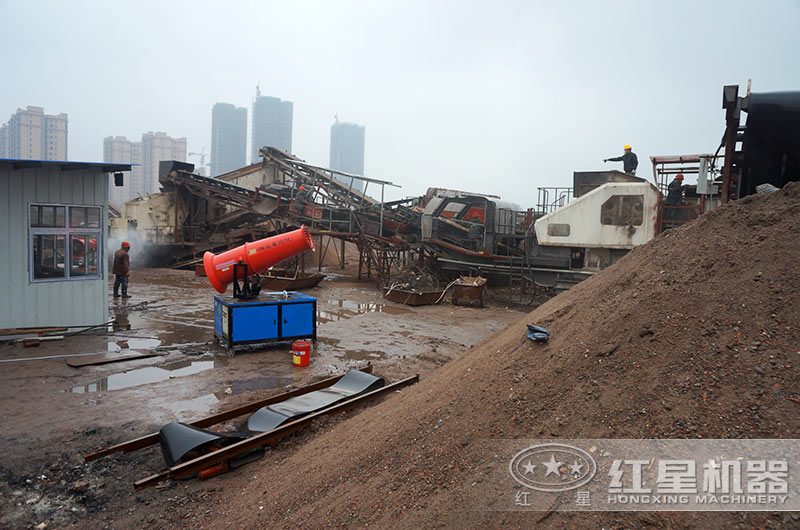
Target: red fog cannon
x=239, y=263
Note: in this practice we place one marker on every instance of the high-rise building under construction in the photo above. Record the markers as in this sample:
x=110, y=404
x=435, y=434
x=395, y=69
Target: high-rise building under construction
x=272, y=124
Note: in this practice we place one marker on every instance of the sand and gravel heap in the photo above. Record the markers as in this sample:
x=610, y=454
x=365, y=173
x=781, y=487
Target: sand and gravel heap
x=696, y=334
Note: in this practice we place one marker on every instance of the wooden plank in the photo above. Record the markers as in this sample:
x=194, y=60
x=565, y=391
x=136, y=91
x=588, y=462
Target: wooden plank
x=259, y=440
x=24, y=331
x=152, y=439
x=111, y=357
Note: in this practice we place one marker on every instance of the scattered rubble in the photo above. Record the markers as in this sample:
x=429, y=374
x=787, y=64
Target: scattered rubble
x=415, y=279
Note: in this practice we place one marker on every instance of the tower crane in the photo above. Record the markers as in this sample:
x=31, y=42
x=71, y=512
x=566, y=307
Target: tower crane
x=202, y=154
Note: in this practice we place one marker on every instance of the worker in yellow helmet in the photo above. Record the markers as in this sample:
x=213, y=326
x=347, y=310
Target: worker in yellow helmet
x=629, y=160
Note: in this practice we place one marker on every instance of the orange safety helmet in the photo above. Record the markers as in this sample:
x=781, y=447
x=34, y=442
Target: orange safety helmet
x=302, y=188
x=679, y=176
x=125, y=244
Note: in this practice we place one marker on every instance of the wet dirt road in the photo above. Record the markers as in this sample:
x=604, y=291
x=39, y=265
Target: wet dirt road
x=53, y=413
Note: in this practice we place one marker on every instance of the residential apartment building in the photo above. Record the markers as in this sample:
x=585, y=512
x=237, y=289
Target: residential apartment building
x=155, y=148
x=152, y=149
x=32, y=134
x=120, y=150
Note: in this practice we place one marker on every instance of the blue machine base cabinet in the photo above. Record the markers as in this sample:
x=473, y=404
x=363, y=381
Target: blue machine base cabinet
x=271, y=317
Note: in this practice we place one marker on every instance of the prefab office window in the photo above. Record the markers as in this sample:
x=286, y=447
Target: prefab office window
x=65, y=242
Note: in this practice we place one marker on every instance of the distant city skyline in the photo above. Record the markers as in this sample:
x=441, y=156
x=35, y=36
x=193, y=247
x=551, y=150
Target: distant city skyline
x=539, y=89
x=347, y=151
x=228, y=138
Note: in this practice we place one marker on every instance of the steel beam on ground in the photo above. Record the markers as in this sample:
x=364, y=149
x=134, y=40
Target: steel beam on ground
x=216, y=457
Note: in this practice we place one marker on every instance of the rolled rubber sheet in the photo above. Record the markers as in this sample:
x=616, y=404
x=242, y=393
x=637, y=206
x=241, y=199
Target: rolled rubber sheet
x=178, y=439
x=352, y=384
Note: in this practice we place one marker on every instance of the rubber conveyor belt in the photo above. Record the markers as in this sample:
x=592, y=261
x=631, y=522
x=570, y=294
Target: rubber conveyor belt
x=178, y=439
x=352, y=384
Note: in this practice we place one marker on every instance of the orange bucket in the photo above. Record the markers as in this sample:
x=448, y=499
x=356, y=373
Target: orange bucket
x=301, y=352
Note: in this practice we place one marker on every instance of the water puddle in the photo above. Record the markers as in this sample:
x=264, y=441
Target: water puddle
x=175, y=327
x=344, y=309
x=334, y=276
x=145, y=376
x=121, y=322
x=133, y=343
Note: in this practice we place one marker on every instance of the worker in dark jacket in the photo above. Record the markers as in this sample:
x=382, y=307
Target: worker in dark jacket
x=629, y=160
x=674, y=198
x=122, y=270
x=675, y=191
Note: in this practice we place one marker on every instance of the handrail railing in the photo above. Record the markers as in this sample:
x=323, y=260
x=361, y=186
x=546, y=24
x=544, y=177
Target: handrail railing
x=552, y=198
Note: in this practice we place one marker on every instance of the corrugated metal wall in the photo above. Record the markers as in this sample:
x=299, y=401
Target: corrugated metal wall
x=61, y=303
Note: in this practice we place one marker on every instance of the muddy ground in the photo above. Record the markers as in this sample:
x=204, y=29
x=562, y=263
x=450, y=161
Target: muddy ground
x=53, y=413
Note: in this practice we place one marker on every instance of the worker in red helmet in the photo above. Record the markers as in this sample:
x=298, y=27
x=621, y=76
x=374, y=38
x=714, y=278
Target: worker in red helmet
x=122, y=269
x=305, y=196
x=675, y=191
x=672, y=206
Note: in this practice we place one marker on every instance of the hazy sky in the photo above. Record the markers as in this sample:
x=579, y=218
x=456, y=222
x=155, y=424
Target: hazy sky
x=494, y=97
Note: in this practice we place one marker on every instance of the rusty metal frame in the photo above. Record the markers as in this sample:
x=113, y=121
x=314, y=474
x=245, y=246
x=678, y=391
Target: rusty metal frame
x=731, y=102
x=323, y=214
x=219, y=191
x=152, y=439
x=271, y=437
x=665, y=167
